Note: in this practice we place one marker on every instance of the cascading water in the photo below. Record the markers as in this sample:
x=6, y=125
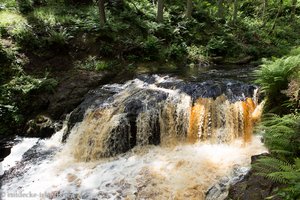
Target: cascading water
x=151, y=138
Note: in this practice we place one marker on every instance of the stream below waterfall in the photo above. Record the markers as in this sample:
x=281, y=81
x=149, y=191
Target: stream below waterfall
x=154, y=137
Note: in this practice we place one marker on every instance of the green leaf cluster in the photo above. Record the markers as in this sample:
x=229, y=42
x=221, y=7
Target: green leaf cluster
x=274, y=77
x=280, y=82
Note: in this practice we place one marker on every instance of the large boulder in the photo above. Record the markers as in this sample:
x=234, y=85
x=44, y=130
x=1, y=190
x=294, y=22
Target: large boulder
x=253, y=186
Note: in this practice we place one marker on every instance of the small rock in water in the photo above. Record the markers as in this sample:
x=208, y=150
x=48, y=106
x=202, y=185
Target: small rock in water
x=42, y=126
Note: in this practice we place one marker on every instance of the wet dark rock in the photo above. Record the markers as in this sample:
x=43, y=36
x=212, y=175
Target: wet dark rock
x=93, y=99
x=33, y=157
x=37, y=153
x=134, y=107
x=220, y=190
x=146, y=78
x=252, y=186
x=72, y=90
x=4, y=151
x=6, y=143
x=41, y=126
x=137, y=100
x=119, y=140
x=124, y=136
x=233, y=90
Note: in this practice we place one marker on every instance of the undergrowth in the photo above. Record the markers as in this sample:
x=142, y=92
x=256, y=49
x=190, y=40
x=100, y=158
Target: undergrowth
x=280, y=81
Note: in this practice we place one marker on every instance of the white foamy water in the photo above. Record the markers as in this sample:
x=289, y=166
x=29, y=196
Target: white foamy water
x=151, y=172
x=16, y=153
x=220, y=130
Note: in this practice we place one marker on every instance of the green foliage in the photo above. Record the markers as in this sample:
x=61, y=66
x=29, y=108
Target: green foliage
x=25, y=6
x=4, y=57
x=280, y=81
x=216, y=44
x=8, y=4
x=25, y=85
x=93, y=64
x=197, y=54
x=274, y=76
x=282, y=172
x=38, y=28
x=12, y=23
x=10, y=118
x=16, y=98
x=282, y=135
x=151, y=46
x=176, y=51
x=58, y=38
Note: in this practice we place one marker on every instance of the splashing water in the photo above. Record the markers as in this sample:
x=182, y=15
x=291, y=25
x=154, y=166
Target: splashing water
x=201, y=139
x=143, y=114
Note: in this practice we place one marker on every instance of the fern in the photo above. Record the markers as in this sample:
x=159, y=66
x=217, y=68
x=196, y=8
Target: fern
x=274, y=77
x=282, y=137
x=281, y=172
x=281, y=134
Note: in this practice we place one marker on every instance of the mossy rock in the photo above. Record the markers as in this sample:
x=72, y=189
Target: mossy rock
x=42, y=126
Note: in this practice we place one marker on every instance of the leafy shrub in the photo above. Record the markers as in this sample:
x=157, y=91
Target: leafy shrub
x=92, y=64
x=282, y=172
x=4, y=58
x=47, y=85
x=10, y=118
x=12, y=23
x=16, y=98
x=274, y=76
x=151, y=47
x=9, y=62
x=25, y=6
x=280, y=81
x=176, y=51
x=197, y=54
x=25, y=84
x=282, y=137
x=59, y=37
x=216, y=45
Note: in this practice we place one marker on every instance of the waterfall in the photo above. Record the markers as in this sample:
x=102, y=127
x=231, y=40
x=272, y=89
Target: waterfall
x=146, y=113
x=150, y=138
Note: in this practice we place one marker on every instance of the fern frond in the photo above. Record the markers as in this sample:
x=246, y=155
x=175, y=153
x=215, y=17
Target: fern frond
x=276, y=177
x=282, y=151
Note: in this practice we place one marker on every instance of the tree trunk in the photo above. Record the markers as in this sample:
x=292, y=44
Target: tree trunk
x=220, y=9
x=189, y=9
x=160, y=11
x=102, y=12
x=294, y=5
x=235, y=10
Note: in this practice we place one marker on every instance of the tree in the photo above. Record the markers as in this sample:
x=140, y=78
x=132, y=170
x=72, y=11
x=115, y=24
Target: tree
x=102, y=12
x=189, y=9
x=160, y=11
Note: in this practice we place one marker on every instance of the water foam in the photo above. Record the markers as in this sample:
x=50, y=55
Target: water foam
x=151, y=172
x=202, y=140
